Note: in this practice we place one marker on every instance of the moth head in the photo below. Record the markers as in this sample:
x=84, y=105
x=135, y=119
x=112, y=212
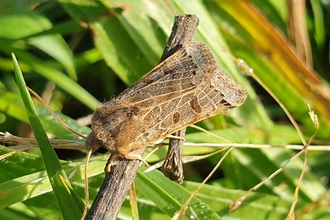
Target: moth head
x=93, y=143
x=108, y=124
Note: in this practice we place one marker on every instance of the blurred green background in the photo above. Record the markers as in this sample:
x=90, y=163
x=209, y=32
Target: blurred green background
x=78, y=53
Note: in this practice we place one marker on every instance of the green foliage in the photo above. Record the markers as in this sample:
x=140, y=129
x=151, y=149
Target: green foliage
x=84, y=51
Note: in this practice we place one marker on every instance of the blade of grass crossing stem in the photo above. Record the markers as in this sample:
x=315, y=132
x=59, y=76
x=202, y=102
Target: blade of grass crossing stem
x=70, y=207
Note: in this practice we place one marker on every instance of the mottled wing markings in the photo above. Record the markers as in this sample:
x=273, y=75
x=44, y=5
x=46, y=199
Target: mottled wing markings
x=184, y=89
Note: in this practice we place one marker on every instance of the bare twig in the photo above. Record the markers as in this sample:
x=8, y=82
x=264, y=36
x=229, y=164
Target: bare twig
x=182, y=34
x=172, y=166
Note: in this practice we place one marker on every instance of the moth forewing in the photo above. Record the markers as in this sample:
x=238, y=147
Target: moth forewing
x=185, y=88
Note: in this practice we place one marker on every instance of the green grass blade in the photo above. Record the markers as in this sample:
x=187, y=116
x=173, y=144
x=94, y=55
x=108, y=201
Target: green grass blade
x=169, y=196
x=68, y=206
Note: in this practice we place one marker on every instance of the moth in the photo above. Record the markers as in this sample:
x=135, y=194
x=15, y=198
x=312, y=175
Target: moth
x=184, y=89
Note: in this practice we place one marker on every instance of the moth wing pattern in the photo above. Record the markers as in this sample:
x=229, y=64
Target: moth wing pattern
x=185, y=88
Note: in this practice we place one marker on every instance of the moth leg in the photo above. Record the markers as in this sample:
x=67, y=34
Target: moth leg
x=112, y=161
x=132, y=156
x=127, y=154
x=116, y=157
x=176, y=137
x=160, y=141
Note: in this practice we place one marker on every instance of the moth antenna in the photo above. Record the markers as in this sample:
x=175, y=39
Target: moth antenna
x=88, y=156
x=183, y=209
x=53, y=113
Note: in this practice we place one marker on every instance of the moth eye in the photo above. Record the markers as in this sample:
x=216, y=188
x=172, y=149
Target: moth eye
x=130, y=112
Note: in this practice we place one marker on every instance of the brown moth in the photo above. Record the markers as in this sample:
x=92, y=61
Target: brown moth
x=185, y=88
